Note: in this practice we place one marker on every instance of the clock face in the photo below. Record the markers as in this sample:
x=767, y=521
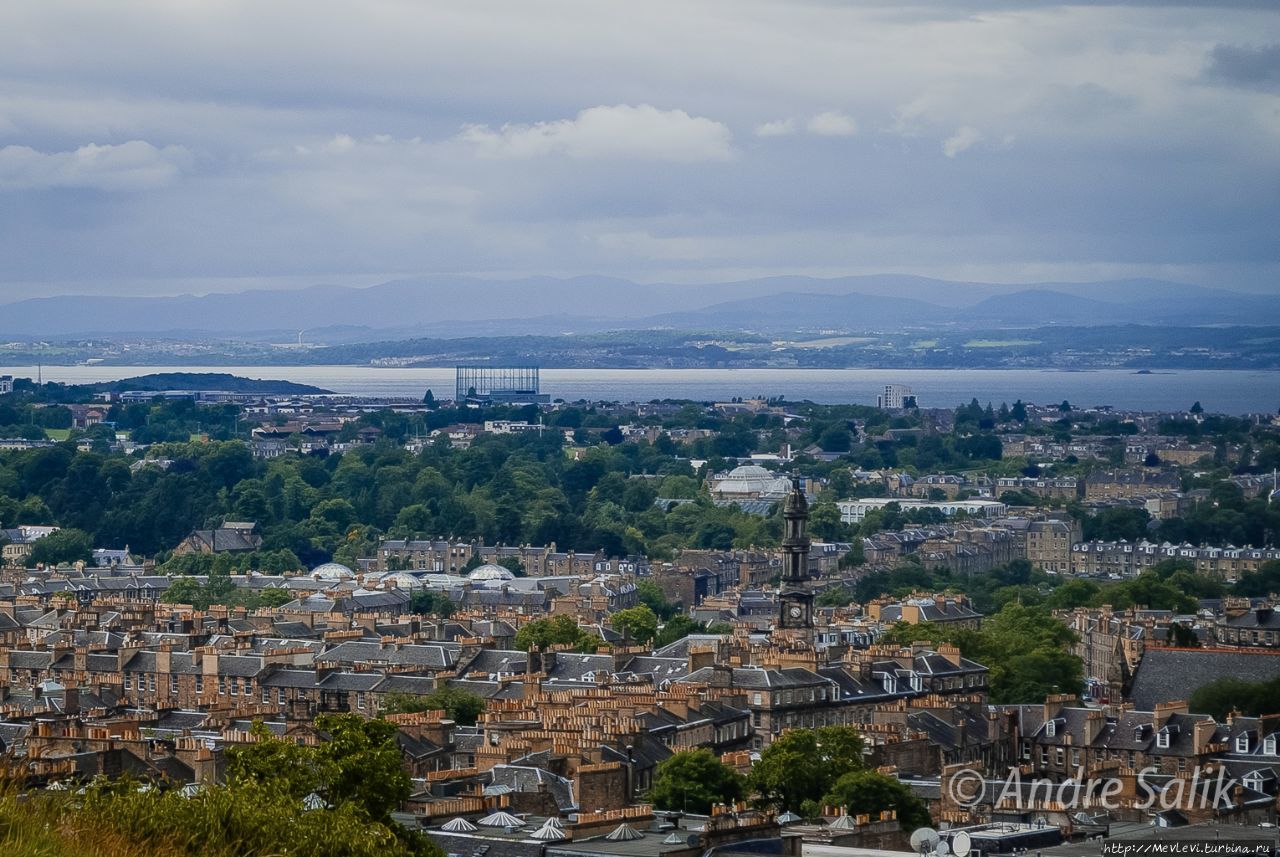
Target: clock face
x=796, y=611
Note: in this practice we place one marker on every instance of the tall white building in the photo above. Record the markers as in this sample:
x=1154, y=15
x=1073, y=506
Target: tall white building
x=6, y=384
x=896, y=397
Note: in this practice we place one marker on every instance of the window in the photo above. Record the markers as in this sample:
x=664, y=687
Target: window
x=1162, y=739
x=199, y=684
x=1269, y=745
x=1242, y=742
x=757, y=699
x=266, y=696
x=128, y=682
x=280, y=696
x=1050, y=729
x=360, y=700
x=151, y=682
x=233, y=687
x=173, y=684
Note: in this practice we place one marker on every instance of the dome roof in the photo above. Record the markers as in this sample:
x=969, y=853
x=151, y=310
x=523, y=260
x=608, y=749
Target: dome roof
x=401, y=580
x=332, y=571
x=751, y=479
x=489, y=571
x=750, y=471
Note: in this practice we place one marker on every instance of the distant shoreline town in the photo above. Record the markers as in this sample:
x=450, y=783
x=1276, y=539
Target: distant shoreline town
x=650, y=628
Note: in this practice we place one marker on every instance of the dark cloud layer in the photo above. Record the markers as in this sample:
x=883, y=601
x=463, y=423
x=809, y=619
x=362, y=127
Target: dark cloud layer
x=1254, y=67
x=160, y=147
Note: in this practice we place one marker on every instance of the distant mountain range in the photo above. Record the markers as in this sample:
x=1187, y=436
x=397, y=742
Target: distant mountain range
x=447, y=306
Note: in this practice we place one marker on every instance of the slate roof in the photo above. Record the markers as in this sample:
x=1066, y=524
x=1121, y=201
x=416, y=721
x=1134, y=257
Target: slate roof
x=528, y=779
x=436, y=657
x=1167, y=674
x=489, y=662
x=758, y=677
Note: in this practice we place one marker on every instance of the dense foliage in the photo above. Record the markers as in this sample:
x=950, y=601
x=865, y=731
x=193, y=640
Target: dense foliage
x=1026, y=650
x=693, y=781
x=1219, y=698
x=801, y=766
x=871, y=792
x=460, y=706
x=280, y=798
x=555, y=631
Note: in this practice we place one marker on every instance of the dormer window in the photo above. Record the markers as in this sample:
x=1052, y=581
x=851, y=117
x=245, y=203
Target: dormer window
x=1242, y=743
x=1050, y=729
x=1162, y=739
x=916, y=684
x=1269, y=745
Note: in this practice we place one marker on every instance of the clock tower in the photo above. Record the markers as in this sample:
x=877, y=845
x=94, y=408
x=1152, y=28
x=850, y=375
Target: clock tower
x=795, y=601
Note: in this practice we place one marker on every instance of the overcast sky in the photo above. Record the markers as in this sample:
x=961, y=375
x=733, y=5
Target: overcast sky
x=164, y=146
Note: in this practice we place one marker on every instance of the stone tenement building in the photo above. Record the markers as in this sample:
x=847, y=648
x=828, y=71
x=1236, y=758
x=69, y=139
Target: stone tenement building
x=1118, y=484
x=1128, y=559
x=1050, y=542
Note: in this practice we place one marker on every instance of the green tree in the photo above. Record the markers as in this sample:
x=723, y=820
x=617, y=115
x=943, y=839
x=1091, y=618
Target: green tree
x=871, y=792
x=1025, y=648
x=636, y=624
x=677, y=628
x=1228, y=694
x=363, y=764
x=554, y=631
x=64, y=546
x=274, y=597
x=1260, y=583
x=184, y=590
x=460, y=706
x=271, y=760
x=431, y=603
x=693, y=781
x=652, y=596
x=512, y=565
x=800, y=766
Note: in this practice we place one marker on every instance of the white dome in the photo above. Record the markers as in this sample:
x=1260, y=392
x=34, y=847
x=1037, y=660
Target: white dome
x=401, y=581
x=490, y=571
x=751, y=480
x=750, y=471
x=332, y=571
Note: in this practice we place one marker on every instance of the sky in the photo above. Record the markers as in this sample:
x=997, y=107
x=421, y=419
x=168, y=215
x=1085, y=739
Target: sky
x=174, y=146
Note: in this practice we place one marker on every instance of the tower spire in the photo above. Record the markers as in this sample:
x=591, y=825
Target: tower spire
x=795, y=601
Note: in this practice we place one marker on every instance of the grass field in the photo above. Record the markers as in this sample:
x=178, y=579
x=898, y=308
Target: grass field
x=1000, y=343
x=830, y=342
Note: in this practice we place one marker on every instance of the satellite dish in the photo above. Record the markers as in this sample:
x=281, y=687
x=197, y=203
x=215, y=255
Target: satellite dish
x=924, y=839
x=961, y=844
x=692, y=840
x=942, y=849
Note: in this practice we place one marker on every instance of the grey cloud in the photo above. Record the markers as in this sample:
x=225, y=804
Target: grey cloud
x=1245, y=66
x=133, y=166
x=330, y=146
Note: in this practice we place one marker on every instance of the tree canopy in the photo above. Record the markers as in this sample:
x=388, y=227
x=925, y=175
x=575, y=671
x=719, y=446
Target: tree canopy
x=555, y=631
x=800, y=766
x=460, y=706
x=872, y=792
x=693, y=781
